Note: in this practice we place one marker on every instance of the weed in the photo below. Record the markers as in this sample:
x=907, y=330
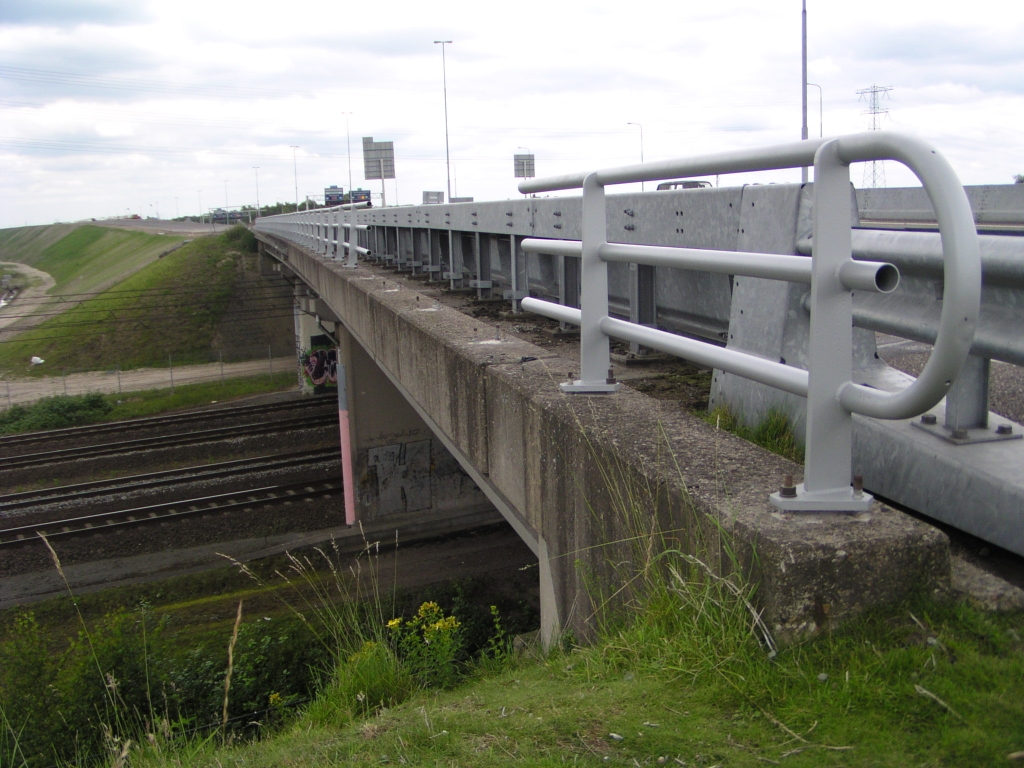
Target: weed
x=428, y=644
x=370, y=679
x=774, y=432
x=55, y=413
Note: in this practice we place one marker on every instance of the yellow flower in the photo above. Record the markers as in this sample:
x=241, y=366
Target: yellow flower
x=429, y=607
x=394, y=623
x=275, y=699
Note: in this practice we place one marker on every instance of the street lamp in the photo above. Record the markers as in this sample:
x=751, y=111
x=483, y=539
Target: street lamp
x=257, y=169
x=641, y=147
x=447, y=153
x=348, y=148
x=821, y=118
x=351, y=237
x=295, y=170
x=803, y=93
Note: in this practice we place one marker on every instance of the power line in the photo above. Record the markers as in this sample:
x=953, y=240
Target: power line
x=190, y=88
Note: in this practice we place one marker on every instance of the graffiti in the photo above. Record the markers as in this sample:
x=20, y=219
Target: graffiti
x=403, y=476
x=320, y=364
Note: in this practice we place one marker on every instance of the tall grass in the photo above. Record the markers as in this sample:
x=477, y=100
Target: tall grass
x=346, y=611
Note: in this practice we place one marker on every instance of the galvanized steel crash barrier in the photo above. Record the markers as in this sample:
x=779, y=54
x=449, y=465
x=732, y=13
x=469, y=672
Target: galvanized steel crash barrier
x=832, y=396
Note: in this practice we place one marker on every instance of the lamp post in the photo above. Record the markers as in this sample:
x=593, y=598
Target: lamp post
x=444, y=76
x=295, y=170
x=641, y=147
x=821, y=113
x=348, y=148
x=803, y=91
x=256, y=168
x=351, y=236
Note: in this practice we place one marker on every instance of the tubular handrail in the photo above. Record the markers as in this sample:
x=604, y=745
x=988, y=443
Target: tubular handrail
x=961, y=263
x=795, y=155
x=832, y=395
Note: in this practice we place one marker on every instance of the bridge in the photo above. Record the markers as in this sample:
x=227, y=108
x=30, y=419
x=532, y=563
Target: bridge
x=780, y=289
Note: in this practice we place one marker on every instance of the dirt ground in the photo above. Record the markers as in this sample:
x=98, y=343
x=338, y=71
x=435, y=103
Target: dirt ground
x=27, y=390
x=12, y=316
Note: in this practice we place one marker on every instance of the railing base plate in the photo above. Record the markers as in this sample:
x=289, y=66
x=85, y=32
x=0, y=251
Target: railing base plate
x=589, y=387
x=841, y=500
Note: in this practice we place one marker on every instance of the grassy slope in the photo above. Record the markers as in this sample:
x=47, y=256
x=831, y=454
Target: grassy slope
x=144, y=318
x=92, y=258
x=670, y=706
x=26, y=244
x=83, y=258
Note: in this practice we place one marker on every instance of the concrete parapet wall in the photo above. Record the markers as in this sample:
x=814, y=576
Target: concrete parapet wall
x=573, y=473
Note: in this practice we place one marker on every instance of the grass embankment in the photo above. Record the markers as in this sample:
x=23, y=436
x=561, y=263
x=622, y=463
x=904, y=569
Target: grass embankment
x=204, y=298
x=165, y=645
x=685, y=683
x=26, y=244
x=78, y=410
x=683, y=678
x=86, y=258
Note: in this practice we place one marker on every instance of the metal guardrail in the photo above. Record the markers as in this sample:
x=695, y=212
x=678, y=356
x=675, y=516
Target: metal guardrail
x=832, y=396
x=320, y=230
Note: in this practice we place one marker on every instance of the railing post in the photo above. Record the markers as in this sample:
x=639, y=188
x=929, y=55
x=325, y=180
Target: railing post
x=350, y=236
x=321, y=231
x=594, y=351
x=829, y=443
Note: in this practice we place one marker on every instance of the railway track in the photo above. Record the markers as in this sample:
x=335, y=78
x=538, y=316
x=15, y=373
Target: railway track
x=224, y=470
x=156, y=513
x=15, y=443
x=24, y=461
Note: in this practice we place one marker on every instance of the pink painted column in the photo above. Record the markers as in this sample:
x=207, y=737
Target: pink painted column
x=346, y=445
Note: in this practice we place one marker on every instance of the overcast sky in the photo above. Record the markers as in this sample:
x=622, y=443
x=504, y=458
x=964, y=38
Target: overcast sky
x=114, y=106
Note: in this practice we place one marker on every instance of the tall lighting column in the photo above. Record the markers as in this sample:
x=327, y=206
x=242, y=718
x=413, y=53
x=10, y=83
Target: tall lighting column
x=803, y=91
x=295, y=170
x=350, y=237
x=444, y=76
x=641, y=147
x=257, y=169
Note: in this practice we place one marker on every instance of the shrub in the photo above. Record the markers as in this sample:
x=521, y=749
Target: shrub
x=55, y=413
x=428, y=645
x=243, y=237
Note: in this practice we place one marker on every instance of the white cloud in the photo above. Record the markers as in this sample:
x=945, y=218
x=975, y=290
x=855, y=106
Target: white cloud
x=196, y=93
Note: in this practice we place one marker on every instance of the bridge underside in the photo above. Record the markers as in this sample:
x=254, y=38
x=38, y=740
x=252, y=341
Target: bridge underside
x=584, y=480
